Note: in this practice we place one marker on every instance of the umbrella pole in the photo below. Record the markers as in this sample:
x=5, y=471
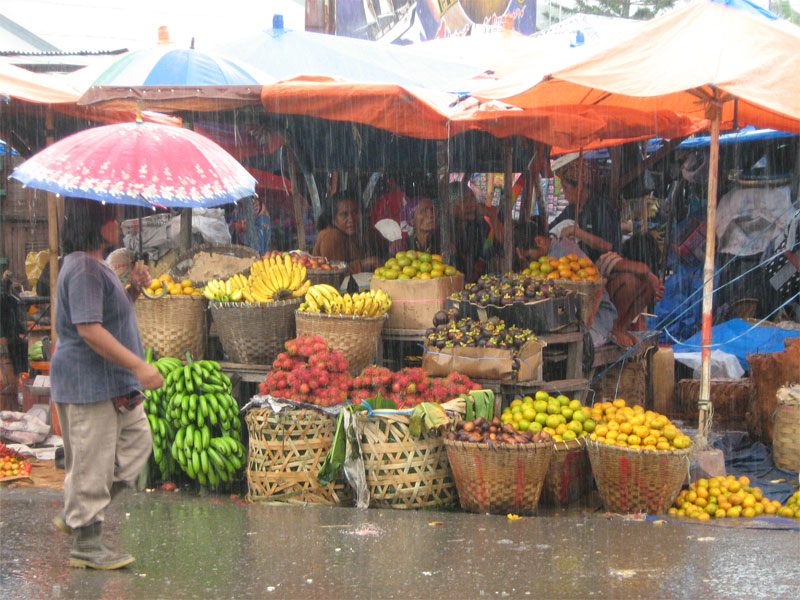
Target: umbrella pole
x=445, y=214
x=508, y=198
x=52, y=230
x=704, y=420
x=297, y=201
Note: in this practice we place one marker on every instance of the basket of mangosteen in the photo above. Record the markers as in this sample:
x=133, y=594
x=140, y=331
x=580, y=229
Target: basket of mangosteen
x=496, y=468
x=487, y=349
x=520, y=300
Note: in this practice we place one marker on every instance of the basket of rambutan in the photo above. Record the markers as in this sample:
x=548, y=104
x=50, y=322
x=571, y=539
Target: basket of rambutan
x=287, y=447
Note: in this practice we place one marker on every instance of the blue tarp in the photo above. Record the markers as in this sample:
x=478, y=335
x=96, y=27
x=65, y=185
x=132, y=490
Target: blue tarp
x=740, y=338
x=747, y=134
x=748, y=7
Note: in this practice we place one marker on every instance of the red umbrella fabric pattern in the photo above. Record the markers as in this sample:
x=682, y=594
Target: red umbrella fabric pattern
x=140, y=164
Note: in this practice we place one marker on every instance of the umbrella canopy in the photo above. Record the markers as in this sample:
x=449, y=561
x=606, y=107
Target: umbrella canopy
x=141, y=164
x=34, y=87
x=168, y=78
x=284, y=53
x=679, y=62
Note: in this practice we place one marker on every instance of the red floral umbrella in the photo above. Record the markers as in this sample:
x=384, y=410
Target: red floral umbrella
x=141, y=164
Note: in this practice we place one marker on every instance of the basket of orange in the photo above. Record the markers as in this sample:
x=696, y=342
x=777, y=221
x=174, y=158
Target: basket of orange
x=640, y=460
x=172, y=317
x=575, y=274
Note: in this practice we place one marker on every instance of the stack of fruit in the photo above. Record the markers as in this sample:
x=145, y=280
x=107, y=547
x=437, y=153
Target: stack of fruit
x=304, y=258
x=508, y=289
x=309, y=372
x=164, y=285
x=409, y=387
x=411, y=264
x=634, y=427
x=195, y=423
x=450, y=330
x=560, y=417
x=494, y=432
x=324, y=298
x=567, y=267
x=271, y=279
x=12, y=464
x=729, y=497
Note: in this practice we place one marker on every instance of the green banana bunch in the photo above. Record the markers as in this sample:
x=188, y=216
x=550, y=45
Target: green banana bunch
x=195, y=407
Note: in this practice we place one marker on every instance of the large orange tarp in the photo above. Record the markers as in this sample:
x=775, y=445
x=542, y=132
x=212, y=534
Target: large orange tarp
x=35, y=87
x=431, y=114
x=673, y=62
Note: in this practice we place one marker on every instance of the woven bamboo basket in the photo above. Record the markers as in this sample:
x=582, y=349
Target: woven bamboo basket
x=632, y=383
x=356, y=337
x=171, y=325
x=786, y=434
x=569, y=476
x=632, y=480
x=184, y=261
x=589, y=293
x=499, y=478
x=254, y=332
x=286, y=452
x=334, y=276
x=729, y=397
x=403, y=471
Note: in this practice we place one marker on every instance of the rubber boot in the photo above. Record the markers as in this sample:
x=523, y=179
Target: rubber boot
x=60, y=520
x=89, y=551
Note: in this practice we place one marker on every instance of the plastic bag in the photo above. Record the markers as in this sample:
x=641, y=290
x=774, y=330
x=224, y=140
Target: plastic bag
x=22, y=428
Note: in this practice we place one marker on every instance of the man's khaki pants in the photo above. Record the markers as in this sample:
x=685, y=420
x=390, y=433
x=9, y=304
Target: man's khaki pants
x=101, y=447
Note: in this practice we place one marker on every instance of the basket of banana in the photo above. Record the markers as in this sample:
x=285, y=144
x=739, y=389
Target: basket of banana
x=254, y=314
x=349, y=323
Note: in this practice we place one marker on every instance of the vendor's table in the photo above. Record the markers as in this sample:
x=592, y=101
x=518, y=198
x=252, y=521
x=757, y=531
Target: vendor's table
x=240, y=373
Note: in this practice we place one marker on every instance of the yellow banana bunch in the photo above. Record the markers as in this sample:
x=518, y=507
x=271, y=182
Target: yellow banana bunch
x=324, y=298
x=275, y=278
x=229, y=290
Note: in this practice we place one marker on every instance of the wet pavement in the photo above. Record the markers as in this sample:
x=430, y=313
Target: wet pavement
x=191, y=547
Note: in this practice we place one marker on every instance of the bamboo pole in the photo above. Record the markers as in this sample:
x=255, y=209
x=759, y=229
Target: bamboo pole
x=52, y=229
x=714, y=113
x=508, y=200
x=297, y=201
x=445, y=214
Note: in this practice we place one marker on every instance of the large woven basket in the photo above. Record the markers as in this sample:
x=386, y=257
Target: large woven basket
x=286, y=452
x=589, y=293
x=729, y=397
x=184, y=261
x=403, y=471
x=786, y=434
x=634, y=480
x=334, y=276
x=499, y=478
x=356, y=337
x=171, y=325
x=254, y=332
x=630, y=384
x=569, y=476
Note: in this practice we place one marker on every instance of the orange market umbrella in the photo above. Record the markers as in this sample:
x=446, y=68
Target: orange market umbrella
x=706, y=59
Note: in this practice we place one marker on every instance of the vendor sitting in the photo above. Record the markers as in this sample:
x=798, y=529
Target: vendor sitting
x=630, y=288
x=339, y=237
x=424, y=235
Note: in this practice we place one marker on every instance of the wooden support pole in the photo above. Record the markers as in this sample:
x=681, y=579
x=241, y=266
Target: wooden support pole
x=52, y=229
x=508, y=209
x=186, y=229
x=297, y=201
x=445, y=213
x=714, y=113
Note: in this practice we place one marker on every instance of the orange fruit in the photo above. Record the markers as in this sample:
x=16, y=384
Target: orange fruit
x=618, y=402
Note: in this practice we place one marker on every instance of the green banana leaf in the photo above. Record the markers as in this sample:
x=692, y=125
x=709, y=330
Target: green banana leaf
x=427, y=416
x=335, y=458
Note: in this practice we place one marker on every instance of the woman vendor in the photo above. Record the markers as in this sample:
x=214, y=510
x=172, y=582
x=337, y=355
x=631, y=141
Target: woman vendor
x=339, y=237
x=424, y=235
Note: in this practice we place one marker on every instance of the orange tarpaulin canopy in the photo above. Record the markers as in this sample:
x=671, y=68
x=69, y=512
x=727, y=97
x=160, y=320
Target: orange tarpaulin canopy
x=35, y=87
x=432, y=114
x=676, y=62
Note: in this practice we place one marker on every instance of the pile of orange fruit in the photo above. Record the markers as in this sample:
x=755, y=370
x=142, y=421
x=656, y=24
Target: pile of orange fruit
x=568, y=267
x=164, y=285
x=634, y=427
x=727, y=497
